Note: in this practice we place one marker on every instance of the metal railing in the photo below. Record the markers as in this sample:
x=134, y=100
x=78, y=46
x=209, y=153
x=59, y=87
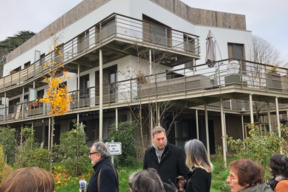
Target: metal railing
x=225, y=74
x=115, y=26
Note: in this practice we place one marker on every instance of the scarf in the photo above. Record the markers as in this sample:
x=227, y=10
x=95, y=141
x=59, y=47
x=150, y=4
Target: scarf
x=159, y=152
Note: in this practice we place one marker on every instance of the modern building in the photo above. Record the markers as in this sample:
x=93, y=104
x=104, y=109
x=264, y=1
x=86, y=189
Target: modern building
x=122, y=54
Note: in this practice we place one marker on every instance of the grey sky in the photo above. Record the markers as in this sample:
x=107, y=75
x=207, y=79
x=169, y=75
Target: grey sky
x=265, y=18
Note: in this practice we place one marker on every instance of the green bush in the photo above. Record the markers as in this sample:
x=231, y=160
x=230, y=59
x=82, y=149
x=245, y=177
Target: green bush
x=125, y=135
x=2, y=161
x=73, y=151
x=258, y=148
x=29, y=153
x=8, y=141
x=38, y=158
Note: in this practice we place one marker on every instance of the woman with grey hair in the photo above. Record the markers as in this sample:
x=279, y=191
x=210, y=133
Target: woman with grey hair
x=105, y=176
x=198, y=162
x=144, y=181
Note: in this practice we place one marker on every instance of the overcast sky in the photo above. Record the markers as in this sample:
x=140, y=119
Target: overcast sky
x=265, y=18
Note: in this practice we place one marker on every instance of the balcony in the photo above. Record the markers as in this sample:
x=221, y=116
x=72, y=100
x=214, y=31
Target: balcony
x=117, y=35
x=230, y=79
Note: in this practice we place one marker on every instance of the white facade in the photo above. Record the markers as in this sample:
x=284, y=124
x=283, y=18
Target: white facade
x=136, y=9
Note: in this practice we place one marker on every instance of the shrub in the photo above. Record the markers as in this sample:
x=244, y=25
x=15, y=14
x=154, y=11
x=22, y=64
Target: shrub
x=2, y=162
x=258, y=148
x=6, y=171
x=29, y=154
x=125, y=135
x=73, y=151
x=38, y=158
x=8, y=141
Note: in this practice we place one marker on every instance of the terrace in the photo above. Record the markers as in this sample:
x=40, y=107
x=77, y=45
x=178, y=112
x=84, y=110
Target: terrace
x=235, y=81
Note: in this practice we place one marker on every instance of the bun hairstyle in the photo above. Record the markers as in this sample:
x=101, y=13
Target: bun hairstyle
x=279, y=165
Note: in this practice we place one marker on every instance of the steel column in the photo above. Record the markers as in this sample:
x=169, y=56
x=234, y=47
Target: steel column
x=100, y=95
x=251, y=109
x=242, y=125
x=223, y=131
x=207, y=131
x=49, y=133
x=78, y=87
x=197, y=123
x=269, y=117
x=278, y=121
x=116, y=118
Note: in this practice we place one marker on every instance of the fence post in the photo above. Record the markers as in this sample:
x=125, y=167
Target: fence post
x=219, y=83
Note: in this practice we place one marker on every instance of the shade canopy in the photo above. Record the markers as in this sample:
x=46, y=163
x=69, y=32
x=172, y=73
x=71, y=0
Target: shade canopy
x=210, y=50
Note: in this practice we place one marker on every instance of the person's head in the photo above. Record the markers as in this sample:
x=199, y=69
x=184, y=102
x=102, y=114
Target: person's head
x=159, y=137
x=244, y=173
x=145, y=180
x=29, y=179
x=98, y=151
x=196, y=155
x=279, y=165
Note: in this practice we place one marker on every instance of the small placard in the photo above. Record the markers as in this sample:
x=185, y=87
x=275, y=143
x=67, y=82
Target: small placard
x=115, y=148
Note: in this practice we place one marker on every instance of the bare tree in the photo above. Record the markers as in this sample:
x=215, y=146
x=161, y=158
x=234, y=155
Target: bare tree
x=142, y=96
x=262, y=52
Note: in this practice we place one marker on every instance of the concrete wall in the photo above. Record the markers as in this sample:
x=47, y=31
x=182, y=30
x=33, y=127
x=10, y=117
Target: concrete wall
x=223, y=37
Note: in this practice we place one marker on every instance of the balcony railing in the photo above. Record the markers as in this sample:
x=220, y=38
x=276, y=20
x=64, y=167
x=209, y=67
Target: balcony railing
x=115, y=26
x=226, y=74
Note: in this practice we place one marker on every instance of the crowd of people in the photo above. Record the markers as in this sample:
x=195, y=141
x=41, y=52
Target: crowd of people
x=166, y=168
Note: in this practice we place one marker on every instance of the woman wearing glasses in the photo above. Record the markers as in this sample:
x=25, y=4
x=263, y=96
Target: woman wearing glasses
x=247, y=176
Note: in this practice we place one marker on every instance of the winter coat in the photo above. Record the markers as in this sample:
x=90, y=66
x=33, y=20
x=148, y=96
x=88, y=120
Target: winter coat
x=172, y=162
x=200, y=181
x=108, y=179
x=282, y=186
x=258, y=188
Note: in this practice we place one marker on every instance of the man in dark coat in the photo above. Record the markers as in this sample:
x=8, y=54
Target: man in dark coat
x=167, y=159
x=103, y=168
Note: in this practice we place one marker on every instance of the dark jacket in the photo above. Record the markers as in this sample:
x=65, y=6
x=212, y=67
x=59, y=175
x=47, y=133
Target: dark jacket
x=172, y=162
x=200, y=181
x=258, y=188
x=108, y=179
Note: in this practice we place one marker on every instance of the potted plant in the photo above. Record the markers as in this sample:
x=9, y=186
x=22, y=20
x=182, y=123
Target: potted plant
x=273, y=79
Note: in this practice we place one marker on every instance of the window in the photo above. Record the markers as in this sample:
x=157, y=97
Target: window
x=181, y=133
x=37, y=55
x=42, y=59
x=82, y=41
x=13, y=105
x=156, y=32
x=236, y=51
x=84, y=86
x=189, y=44
x=40, y=94
x=26, y=97
x=15, y=70
x=26, y=65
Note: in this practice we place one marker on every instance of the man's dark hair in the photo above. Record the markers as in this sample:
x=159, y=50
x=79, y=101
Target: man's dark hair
x=279, y=165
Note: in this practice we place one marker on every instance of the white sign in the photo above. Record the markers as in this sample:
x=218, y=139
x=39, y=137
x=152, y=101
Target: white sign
x=115, y=148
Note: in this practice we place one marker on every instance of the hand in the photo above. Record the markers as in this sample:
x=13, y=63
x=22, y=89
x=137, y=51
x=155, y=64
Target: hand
x=181, y=182
x=170, y=187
